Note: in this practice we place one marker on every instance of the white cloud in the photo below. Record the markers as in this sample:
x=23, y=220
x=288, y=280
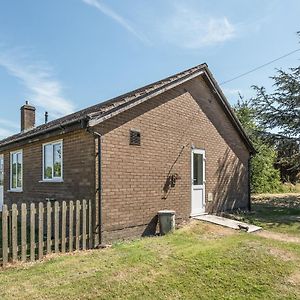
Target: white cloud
x=43, y=90
x=116, y=17
x=234, y=92
x=8, y=124
x=5, y=133
x=188, y=28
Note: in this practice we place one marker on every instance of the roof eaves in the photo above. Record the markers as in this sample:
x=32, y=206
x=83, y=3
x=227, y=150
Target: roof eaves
x=43, y=131
x=227, y=106
x=95, y=120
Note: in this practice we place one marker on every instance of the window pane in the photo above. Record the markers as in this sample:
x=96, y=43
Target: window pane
x=48, y=161
x=14, y=171
x=198, y=169
x=19, y=169
x=57, y=160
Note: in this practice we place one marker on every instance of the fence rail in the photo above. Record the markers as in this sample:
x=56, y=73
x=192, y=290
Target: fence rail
x=29, y=232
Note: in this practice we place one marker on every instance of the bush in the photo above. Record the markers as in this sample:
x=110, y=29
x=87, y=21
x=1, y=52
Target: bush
x=264, y=177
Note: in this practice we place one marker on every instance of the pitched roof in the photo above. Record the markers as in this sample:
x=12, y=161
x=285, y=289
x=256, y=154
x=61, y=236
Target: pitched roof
x=99, y=112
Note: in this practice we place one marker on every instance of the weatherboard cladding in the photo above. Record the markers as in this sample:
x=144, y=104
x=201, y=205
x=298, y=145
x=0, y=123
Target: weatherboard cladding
x=97, y=113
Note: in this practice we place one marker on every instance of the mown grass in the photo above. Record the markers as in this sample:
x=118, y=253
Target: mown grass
x=278, y=213
x=199, y=261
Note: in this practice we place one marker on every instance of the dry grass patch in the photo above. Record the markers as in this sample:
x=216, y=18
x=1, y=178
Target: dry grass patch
x=294, y=279
x=282, y=254
x=207, y=230
x=278, y=236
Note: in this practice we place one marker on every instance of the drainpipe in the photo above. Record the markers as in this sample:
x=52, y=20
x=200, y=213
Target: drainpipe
x=249, y=182
x=99, y=187
x=99, y=190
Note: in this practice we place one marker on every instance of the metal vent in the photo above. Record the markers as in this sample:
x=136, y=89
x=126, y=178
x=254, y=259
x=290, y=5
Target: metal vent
x=135, y=138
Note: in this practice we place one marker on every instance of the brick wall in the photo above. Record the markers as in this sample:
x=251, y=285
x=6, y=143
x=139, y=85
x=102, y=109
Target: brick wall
x=134, y=177
x=78, y=171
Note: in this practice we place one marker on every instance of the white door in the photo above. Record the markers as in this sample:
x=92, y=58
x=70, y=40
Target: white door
x=1, y=180
x=198, y=182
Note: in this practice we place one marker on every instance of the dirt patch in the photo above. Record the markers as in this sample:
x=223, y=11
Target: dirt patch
x=218, y=230
x=125, y=274
x=207, y=230
x=284, y=255
x=294, y=279
x=278, y=236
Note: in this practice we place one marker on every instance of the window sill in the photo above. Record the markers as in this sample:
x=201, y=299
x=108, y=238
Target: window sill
x=52, y=181
x=15, y=191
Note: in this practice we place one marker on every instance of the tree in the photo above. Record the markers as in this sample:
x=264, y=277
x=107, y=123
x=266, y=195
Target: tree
x=278, y=114
x=264, y=177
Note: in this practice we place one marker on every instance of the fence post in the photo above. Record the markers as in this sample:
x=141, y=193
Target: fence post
x=77, y=227
x=56, y=227
x=83, y=224
x=71, y=225
x=90, y=225
x=32, y=231
x=49, y=238
x=14, y=232
x=63, y=226
x=41, y=230
x=23, y=231
x=4, y=234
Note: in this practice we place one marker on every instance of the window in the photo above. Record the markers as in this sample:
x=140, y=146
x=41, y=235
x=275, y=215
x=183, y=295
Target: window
x=52, y=161
x=198, y=169
x=16, y=170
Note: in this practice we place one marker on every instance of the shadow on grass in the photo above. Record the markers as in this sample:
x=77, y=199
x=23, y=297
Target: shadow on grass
x=275, y=212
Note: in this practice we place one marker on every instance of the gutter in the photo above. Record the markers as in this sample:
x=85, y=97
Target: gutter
x=61, y=126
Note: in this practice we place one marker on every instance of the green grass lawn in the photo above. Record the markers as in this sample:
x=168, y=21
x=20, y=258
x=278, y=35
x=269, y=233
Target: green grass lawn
x=199, y=261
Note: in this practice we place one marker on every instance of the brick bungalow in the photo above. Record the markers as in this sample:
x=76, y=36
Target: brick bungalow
x=174, y=144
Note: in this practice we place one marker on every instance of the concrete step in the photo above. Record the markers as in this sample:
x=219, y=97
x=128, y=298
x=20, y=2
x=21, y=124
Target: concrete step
x=228, y=223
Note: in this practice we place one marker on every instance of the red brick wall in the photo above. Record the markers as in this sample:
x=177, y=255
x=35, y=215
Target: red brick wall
x=78, y=171
x=133, y=177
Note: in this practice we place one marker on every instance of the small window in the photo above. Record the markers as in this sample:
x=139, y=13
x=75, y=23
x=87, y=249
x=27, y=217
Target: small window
x=135, y=138
x=198, y=169
x=16, y=170
x=52, y=161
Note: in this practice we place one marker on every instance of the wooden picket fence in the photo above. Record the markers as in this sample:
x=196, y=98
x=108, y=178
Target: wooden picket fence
x=33, y=231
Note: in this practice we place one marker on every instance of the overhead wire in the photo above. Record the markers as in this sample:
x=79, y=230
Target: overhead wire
x=260, y=67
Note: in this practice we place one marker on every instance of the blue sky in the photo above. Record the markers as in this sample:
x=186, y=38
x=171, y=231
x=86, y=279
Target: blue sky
x=62, y=56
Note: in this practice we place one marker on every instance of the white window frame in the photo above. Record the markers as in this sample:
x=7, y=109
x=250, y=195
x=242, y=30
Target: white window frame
x=53, y=179
x=16, y=189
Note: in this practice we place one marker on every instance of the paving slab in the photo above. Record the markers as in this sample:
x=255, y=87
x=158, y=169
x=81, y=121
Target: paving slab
x=228, y=223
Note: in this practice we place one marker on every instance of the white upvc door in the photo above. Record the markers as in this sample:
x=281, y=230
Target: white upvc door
x=1, y=181
x=198, y=181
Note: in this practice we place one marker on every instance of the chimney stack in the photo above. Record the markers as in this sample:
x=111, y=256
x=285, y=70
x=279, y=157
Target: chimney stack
x=27, y=117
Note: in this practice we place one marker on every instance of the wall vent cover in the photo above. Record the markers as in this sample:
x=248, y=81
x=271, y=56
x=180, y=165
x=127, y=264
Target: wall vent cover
x=135, y=138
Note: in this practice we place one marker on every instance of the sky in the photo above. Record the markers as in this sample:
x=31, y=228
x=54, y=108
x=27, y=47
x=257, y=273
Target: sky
x=63, y=56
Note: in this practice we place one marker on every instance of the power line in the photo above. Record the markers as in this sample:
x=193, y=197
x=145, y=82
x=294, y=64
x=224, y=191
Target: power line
x=260, y=67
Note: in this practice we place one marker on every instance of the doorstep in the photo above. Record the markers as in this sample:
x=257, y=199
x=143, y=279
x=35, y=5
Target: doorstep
x=227, y=222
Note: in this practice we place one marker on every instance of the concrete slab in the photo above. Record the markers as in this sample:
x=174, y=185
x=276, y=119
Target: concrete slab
x=228, y=223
